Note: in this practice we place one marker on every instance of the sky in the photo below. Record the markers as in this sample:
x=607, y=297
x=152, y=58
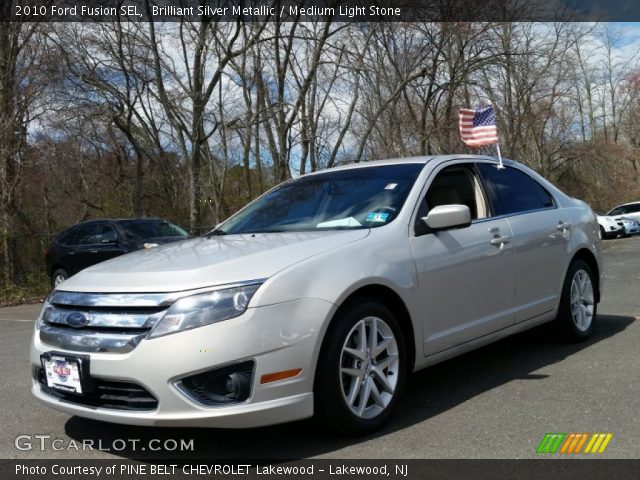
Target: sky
x=630, y=37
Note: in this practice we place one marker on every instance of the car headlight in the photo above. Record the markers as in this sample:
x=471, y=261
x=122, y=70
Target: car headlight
x=204, y=309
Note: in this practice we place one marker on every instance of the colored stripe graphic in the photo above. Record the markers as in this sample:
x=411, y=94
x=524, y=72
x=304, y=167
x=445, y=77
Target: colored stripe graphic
x=581, y=443
x=572, y=443
x=598, y=443
x=551, y=442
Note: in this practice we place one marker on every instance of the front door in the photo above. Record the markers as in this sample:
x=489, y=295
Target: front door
x=466, y=276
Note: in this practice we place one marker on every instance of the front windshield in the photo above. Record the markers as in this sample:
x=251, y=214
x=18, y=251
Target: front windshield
x=343, y=199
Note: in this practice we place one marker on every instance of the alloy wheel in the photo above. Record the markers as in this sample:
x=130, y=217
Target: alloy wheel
x=369, y=367
x=582, y=300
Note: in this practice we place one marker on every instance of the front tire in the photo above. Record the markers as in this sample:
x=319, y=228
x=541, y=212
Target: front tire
x=361, y=369
x=578, y=308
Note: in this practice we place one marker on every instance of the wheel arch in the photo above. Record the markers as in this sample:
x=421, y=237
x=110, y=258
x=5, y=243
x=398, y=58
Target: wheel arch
x=56, y=267
x=589, y=258
x=388, y=297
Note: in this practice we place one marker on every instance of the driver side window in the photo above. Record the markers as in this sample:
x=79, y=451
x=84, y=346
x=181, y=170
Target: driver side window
x=457, y=184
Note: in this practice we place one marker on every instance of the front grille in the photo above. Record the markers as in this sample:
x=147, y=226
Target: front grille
x=106, y=323
x=106, y=394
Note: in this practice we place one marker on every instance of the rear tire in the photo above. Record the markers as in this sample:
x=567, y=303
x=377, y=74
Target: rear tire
x=578, y=308
x=361, y=369
x=59, y=276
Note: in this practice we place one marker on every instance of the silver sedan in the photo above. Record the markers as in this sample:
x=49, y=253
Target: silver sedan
x=321, y=297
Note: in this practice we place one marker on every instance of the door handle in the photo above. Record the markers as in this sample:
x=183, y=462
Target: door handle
x=93, y=251
x=499, y=241
x=563, y=226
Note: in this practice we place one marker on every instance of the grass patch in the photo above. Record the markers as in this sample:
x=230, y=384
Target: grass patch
x=34, y=289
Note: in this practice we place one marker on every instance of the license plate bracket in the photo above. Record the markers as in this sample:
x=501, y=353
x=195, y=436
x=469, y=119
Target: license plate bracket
x=67, y=373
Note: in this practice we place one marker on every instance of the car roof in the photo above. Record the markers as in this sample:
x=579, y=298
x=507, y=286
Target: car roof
x=405, y=160
x=112, y=220
x=116, y=220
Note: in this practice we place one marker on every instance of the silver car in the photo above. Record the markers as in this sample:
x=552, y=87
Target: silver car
x=630, y=226
x=321, y=297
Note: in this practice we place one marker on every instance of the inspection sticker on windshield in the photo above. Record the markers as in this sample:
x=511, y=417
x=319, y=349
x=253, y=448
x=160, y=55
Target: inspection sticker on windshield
x=391, y=186
x=377, y=217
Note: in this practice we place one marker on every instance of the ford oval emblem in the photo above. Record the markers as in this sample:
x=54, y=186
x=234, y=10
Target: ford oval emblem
x=77, y=320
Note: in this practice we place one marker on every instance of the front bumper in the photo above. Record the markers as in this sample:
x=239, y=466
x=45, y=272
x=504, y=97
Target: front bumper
x=277, y=337
x=613, y=229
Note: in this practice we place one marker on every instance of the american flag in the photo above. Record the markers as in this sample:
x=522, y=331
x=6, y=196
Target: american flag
x=478, y=127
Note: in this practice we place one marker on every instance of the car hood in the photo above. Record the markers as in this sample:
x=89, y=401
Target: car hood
x=203, y=262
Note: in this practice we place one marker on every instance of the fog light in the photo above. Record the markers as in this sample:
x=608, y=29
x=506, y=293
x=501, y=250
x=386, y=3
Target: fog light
x=237, y=386
x=220, y=386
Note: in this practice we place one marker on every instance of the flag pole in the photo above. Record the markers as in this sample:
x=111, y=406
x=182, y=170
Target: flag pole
x=500, y=165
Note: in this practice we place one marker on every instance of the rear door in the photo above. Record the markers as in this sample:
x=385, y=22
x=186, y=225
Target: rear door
x=466, y=276
x=541, y=235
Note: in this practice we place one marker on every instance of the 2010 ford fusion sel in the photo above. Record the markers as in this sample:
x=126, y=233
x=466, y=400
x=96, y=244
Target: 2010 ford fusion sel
x=320, y=297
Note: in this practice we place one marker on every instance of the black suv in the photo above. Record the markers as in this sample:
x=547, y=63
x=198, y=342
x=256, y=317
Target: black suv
x=94, y=241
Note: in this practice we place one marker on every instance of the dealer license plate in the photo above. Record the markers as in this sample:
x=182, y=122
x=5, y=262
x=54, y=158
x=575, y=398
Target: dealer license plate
x=63, y=374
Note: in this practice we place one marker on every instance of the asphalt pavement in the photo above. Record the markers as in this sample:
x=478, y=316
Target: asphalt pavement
x=496, y=402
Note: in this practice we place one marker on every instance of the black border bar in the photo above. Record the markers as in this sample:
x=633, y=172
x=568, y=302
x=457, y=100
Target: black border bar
x=323, y=469
x=320, y=10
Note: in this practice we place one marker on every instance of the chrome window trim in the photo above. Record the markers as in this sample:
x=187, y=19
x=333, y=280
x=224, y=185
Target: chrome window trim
x=515, y=214
x=82, y=299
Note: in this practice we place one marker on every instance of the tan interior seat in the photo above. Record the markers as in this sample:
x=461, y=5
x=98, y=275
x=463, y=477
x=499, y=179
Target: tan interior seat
x=443, y=195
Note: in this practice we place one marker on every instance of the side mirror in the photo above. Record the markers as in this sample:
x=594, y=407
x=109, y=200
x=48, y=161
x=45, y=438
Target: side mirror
x=448, y=216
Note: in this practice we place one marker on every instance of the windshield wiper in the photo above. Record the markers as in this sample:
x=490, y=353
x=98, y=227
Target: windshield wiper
x=341, y=227
x=216, y=232
x=270, y=230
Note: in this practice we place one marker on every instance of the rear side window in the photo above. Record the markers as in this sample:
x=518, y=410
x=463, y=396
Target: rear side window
x=102, y=233
x=93, y=234
x=66, y=238
x=76, y=235
x=617, y=211
x=85, y=234
x=514, y=191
